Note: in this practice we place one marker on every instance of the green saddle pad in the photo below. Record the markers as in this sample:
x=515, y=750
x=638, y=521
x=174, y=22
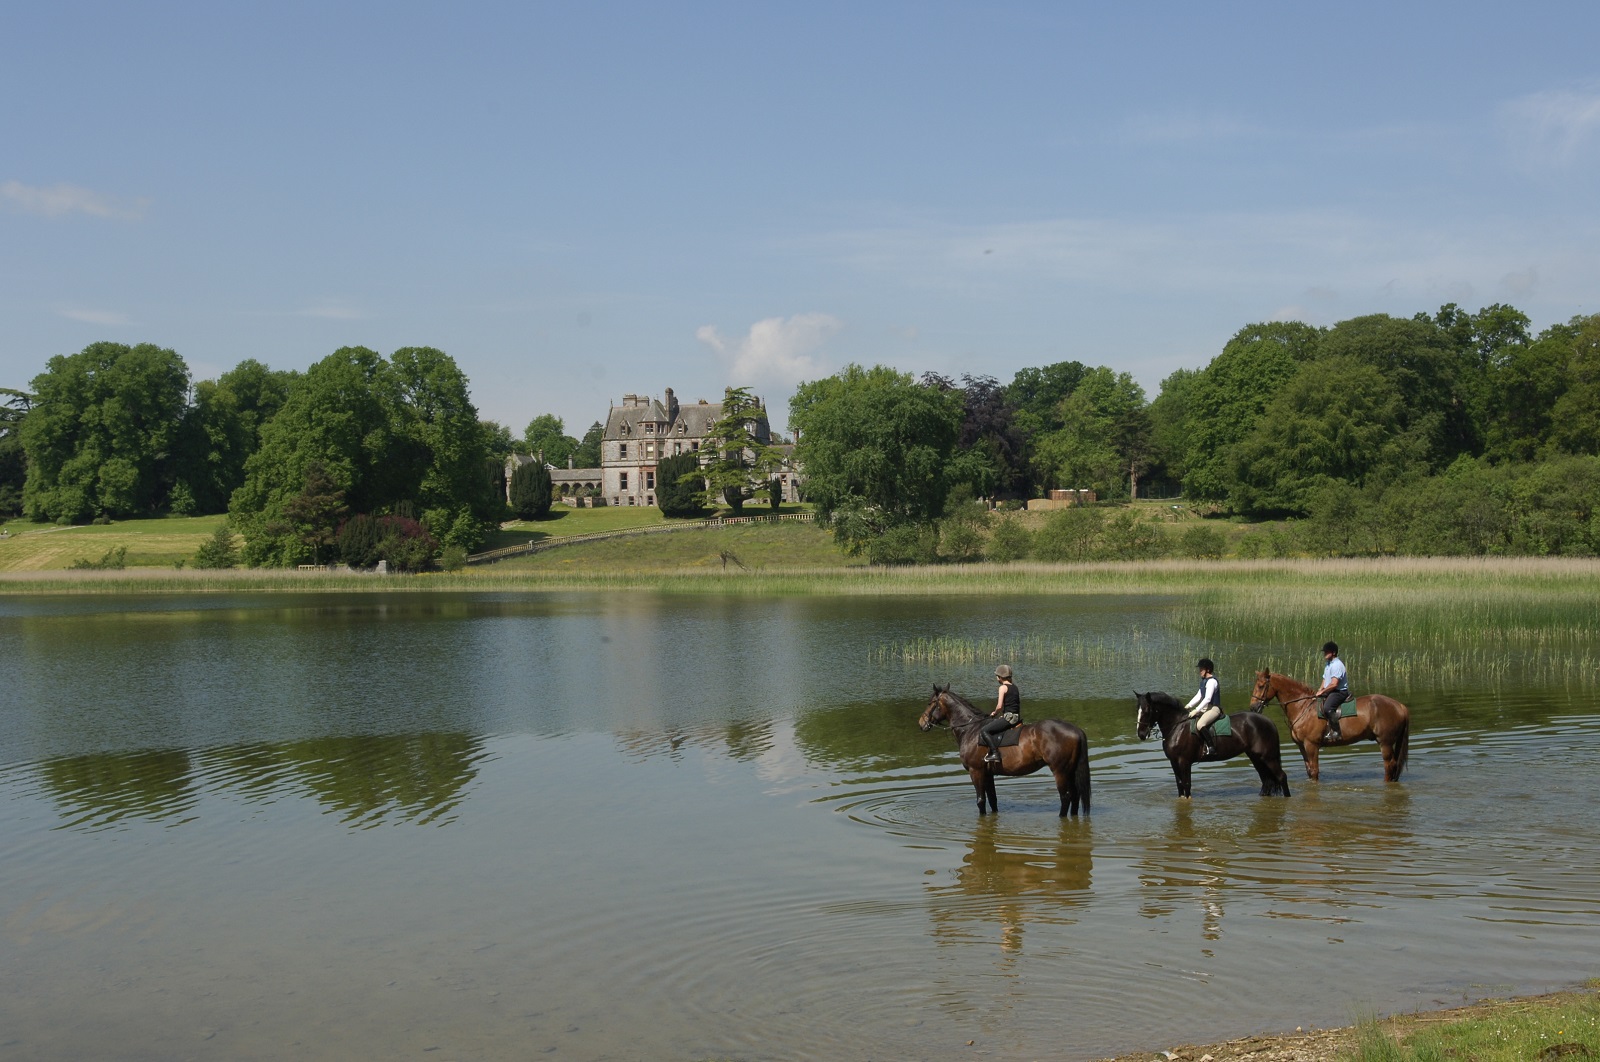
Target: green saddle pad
x=1221, y=728
x=1347, y=709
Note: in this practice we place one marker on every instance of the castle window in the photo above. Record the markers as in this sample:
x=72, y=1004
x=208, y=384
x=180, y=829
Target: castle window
x=622, y=451
x=683, y=429
x=649, y=429
x=649, y=481
x=622, y=481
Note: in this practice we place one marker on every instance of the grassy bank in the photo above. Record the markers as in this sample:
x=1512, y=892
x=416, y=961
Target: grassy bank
x=1550, y=1028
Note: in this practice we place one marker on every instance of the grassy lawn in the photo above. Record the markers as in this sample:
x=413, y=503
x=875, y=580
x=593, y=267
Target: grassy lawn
x=154, y=543
x=564, y=522
x=758, y=547
x=1565, y=1026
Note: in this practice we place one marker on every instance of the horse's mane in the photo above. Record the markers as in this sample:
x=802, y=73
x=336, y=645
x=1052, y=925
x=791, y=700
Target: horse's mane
x=1289, y=680
x=954, y=696
x=1162, y=699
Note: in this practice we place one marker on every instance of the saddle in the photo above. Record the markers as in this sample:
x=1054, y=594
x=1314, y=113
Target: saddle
x=1008, y=738
x=1221, y=728
x=1347, y=709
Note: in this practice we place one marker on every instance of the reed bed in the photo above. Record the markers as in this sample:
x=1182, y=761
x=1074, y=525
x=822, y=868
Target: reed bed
x=1269, y=588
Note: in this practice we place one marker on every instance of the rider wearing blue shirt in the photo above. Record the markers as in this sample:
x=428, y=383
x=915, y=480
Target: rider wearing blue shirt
x=1335, y=690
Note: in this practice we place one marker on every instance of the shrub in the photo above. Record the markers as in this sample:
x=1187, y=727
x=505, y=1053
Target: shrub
x=1202, y=543
x=358, y=541
x=452, y=558
x=217, y=551
x=1069, y=534
x=1010, y=541
x=114, y=559
x=904, y=544
x=1127, y=537
x=961, y=542
x=405, y=543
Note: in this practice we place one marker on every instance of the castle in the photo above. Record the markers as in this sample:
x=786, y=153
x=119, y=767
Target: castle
x=639, y=433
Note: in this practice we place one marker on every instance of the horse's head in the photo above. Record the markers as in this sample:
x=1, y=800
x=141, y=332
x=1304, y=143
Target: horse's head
x=1263, y=692
x=937, y=711
x=1147, y=715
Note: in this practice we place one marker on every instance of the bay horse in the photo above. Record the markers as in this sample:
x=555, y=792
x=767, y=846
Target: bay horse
x=1253, y=734
x=1383, y=719
x=1053, y=743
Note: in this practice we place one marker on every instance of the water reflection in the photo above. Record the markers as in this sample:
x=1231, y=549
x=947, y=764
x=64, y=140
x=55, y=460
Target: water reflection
x=364, y=780
x=742, y=740
x=1007, y=881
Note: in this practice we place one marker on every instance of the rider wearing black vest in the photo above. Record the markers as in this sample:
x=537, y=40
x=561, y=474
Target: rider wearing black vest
x=1007, y=713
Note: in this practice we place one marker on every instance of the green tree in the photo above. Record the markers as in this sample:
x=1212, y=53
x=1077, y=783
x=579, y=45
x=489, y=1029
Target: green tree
x=1232, y=393
x=312, y=517
x=679, y=485
x=1169, y=426
x=875, y=447
x=388, y=434
x=14, y=406
x=737, y=454
x=100, y=434
x=1417, y=359
x=546, y=434
x=1338, y=419
x=587, y=455
x=1575, y=419
x=1103, y=441
x=221, y=429
x=531, y=491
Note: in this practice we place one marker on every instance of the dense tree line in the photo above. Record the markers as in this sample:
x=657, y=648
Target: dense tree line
x=118, y=431
x=1348, y=426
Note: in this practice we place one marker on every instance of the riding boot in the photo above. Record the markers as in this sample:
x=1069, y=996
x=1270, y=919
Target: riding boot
x=1333, y=734
x=993, y=759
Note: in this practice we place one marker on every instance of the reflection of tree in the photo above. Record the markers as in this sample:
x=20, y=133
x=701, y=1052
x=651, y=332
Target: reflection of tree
x=101, y=789
x=880, y=735
x=411, y=777
x=415, y=777
x=1008, y=881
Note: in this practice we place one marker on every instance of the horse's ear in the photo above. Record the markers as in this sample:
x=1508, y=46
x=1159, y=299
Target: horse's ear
x=947, y=687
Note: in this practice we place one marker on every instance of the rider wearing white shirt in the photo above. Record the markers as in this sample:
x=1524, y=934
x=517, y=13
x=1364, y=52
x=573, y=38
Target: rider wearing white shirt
x=1205, y=707
x=1335, y=688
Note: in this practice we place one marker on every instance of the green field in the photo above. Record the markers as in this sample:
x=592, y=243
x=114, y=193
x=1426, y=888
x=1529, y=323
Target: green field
x=155, y=543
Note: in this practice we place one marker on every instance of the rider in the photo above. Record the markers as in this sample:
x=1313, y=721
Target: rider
x=1007, y=713
x=1205, y=707
x=1335, y=689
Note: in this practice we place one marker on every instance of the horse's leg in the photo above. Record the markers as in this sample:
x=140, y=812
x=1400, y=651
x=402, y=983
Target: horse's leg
x=1066, y=787
x=1183, y=767
x=1268, y=783
x=1309, y=750
x=988, y=785
x=978, y=775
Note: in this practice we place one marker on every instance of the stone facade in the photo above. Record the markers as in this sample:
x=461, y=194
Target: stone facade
x=639, y=433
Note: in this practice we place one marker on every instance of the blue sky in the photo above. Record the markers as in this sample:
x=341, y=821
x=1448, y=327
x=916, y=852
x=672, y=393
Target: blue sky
x=582, y=200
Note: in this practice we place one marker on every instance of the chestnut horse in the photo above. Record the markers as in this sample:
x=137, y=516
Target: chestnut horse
x=1253, y=734
x=1053, y=743
x=1383, y=719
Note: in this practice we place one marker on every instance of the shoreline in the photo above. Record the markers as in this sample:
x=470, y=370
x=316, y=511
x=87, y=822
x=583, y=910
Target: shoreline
x=1340, y=1044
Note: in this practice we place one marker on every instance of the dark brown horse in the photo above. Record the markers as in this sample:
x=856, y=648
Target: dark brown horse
x=1053, y=743
x=1253, y=734
x=1383, y=719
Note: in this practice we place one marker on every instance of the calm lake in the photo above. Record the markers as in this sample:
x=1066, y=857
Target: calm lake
x=644, y=827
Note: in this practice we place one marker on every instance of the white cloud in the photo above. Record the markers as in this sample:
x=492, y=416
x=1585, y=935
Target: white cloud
x=778, y=350
x=89, y=316
x=1551, y=128
x=59, y=200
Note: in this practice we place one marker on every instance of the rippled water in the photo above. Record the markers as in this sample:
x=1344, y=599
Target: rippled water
x=644, y=827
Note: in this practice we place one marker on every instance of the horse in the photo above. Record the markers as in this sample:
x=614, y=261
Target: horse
x=1383, y=719
x=1053, y=743
x=1253, y=734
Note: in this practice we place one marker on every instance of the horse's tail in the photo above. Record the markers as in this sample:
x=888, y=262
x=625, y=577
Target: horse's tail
x=1080, y=773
